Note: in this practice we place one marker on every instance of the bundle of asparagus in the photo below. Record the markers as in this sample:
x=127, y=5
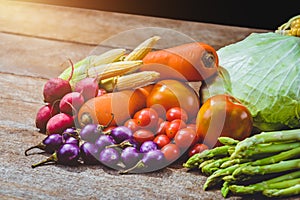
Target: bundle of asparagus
x=266, y=163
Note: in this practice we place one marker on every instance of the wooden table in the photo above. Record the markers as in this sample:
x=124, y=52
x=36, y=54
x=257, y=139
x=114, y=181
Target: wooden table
x=36, y=40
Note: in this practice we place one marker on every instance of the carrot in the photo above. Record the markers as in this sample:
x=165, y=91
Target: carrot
x=194, y=61
x=121, y=104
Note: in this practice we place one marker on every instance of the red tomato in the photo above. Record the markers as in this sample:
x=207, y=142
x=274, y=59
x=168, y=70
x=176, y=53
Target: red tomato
x=161, y=140
x=185, y=137
x=171, y=152
x=173, y=93
x=146, y=118
x=197, y=148
x=173, y=127
x=176, y=113
x=143, y=135
x=132, y=125
x=162, y=127
x=223, y=115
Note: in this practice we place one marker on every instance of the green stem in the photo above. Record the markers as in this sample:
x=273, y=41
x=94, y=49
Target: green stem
x=268, y=169
x=271, y=183
x=228, y=141
x=225, y=189
x=293, y=153
x=52, y=158
x=266, y=137
x=40, y=146
x=269, y=148
x=214, y=166
x=197, y=159
x=290, y=191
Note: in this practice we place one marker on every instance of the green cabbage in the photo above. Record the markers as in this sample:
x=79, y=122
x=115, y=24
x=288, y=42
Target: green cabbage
x=264, y=74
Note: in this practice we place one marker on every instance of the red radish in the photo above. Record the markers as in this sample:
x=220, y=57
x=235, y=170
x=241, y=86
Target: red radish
x=43, y=115
x=58, y=123
x=71, y=102
x=88, y=87
x=56, y=88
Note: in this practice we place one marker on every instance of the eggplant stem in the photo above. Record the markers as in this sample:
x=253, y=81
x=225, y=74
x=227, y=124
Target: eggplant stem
x=52, y=158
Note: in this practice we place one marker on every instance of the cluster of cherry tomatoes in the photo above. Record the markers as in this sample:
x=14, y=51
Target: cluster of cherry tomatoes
x=171, y=130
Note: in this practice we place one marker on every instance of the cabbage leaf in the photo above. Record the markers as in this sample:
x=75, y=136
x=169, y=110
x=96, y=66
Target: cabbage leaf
x=264, y=74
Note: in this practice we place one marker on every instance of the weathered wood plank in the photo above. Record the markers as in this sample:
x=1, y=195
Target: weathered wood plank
x=93, y=27
x=37, y=57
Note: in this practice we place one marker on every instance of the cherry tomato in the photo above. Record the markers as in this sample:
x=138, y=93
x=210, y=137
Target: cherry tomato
x=176, y=113
x=185, y=137
x=161, y=140
x=223, y=115
x=162, y=127
x=146, y=118
x=173, y=93
x=171, y=152
x=143, y=135
x=131, y=124
x=197, y=148
x=192, y=126
x=173, y=127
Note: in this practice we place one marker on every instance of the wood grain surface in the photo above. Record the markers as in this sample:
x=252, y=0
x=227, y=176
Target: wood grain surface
x=36, y=40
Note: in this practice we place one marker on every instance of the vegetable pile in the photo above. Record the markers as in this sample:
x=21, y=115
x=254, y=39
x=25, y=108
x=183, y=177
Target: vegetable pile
x=266, y=163
x=119, y=110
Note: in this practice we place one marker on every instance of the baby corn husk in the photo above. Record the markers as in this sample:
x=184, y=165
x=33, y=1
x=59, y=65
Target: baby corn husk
x=113, y=69
x=81, y=67
x=131, y=81
x=141, y=50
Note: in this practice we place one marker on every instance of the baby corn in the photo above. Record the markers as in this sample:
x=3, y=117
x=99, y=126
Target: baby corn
x=141, y=50
x=81, y=67
x=113, y=69
x=131, y=81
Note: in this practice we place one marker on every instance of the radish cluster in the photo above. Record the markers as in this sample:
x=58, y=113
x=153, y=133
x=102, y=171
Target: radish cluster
x=63, y=103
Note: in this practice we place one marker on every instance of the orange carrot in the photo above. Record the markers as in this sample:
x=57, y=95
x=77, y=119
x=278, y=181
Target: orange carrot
x=193, y=61
x=121, y=104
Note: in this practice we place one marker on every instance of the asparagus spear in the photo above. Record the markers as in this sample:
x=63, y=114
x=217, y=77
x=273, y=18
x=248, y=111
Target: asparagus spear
x=293, y=153
x=269, y=148
x=271, y=183
x=217, y=176
x=268, y=169
x=214, y=166
x=290, y=191
x=265, y=137
x=234, y=161
x=206, y=162
x=228, y=141
x=198, y=158
x=225, y=189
